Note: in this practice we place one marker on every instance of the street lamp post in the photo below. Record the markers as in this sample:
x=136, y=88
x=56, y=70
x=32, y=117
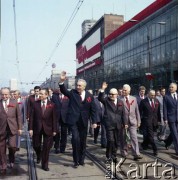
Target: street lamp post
x=149, y=61
x=149, y=50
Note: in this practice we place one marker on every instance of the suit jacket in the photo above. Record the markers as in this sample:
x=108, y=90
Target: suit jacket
x=79, y=109
x=61, y=105
x=47, y=121
x=170, y=108
x=132, y=115
x=99, y=110
x=13, y=117
x=30, y=101
x=149, y=115
x=114, y=115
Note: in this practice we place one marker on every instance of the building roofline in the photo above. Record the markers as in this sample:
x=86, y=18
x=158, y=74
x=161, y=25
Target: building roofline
x=95, y=25
x=148, y=11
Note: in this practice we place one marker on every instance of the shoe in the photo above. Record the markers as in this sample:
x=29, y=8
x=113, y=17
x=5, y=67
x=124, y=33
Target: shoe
x=136, y=157
x=3, y=172
x=103, y=146
x=76, y=165
x=95, y=141
x=57, y=151
x=144, y=147
x=45, y=169
x=155, y=153
x=167, y=147
x=82, y=163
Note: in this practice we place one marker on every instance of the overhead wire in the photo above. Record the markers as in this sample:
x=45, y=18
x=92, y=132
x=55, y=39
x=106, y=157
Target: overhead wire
x=80, y=2
x=16, y=42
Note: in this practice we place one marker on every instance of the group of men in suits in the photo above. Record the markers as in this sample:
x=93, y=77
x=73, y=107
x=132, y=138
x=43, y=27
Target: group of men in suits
x=46, y=112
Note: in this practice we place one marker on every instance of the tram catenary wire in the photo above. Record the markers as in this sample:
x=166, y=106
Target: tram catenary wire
x=74, y=13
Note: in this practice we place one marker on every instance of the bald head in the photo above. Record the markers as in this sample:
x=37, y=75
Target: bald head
x=113, y=93
x=173, y=87
x=151, y=94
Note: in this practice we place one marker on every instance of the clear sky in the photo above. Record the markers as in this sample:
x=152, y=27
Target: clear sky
x=39, y=25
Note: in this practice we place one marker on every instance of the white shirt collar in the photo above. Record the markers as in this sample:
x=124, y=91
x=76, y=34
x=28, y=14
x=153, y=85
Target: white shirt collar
x=83, y=95
x=115, y=101
x=6, y=101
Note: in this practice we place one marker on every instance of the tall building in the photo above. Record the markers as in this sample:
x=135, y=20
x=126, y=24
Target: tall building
x=13, y=84
x=90, y=50
x=87, y=25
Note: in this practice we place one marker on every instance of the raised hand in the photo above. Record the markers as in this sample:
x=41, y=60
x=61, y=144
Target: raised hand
x=63, y=76
x=104, y=86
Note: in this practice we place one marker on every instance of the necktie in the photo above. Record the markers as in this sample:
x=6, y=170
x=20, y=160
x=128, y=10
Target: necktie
x=174, y=97
x=127, y=102
x=5, y=107
x=43, y=107
x=152, y=104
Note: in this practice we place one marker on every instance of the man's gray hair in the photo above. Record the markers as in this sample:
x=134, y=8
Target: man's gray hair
x=173, y=84
x=151, y=91
x=5, y=88
x=82, y=80
x=126, y=86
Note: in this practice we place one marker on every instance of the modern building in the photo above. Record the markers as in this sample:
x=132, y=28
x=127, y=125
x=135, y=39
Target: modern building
x=90, y=50
x=13, y=84
x=146, y=45
x=87, y=25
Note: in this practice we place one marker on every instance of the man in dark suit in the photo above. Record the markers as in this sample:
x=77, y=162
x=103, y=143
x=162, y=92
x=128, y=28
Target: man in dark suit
x=31, y=99
x=150, y=113
x=100, y=123
x=81, y=109
x=114, y=119
x=62, y=103
x=10, y=126
x=170, y=114
x=141, y=95
x=42, y=123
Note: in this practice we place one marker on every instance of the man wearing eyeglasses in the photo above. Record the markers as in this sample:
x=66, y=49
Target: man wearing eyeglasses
x=114, y=119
